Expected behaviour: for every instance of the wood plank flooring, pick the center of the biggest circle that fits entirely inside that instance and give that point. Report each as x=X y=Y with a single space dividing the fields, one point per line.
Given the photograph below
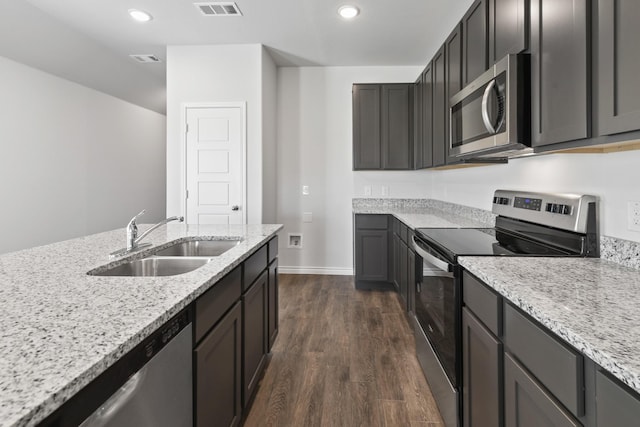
x=343 y=357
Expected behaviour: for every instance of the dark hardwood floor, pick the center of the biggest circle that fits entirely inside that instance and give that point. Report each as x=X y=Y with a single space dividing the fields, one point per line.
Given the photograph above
x=343 y=357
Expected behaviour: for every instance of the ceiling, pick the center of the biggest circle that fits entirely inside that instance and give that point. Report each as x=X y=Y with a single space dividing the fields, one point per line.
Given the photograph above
x=52 y=35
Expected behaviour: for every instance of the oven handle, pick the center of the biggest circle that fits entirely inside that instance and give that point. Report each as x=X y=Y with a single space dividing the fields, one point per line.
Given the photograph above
x=429 y=257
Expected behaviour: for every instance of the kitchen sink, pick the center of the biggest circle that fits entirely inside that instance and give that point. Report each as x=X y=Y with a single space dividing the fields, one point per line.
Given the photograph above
x=155 y=267
x=199 y=248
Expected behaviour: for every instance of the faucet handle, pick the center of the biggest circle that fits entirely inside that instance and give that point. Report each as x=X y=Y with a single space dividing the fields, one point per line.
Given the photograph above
x=142 y=212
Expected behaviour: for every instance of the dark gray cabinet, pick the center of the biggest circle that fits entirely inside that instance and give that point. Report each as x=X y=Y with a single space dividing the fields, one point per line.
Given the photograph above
x=475 y=46
x=616 y=406
x=482 y=374
x=527 y=404
x=404 y=273
x=217 y=373
x=508 y=27
x=367 y=153
x=372 y=260
x=560 y=107
x=426 y=116
x=453 y=78
x=439 y=134
x=382 y=126
x=417 y=124
x=396 y=245
x=618 y=66
x=273 y=318
x=411 y=280
x=254 y=336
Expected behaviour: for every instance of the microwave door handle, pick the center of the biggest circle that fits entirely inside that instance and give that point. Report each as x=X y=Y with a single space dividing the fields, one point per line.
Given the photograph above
x=442 y=265
x=485 y=107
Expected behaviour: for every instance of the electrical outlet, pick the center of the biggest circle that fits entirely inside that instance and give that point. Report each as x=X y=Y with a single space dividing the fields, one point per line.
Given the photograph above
x=307 y=217
x=633 y=216
x=384 y=190
x=367 y=190
x=305 y=190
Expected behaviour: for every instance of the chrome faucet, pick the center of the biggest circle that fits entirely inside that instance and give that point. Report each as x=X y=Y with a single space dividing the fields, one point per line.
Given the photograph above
x=133 y=240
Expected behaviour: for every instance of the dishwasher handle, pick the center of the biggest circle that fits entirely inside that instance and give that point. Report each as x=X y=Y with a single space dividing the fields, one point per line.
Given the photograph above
x=429 y=256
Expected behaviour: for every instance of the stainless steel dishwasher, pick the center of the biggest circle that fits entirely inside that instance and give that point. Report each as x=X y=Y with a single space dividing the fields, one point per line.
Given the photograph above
x=159 y=393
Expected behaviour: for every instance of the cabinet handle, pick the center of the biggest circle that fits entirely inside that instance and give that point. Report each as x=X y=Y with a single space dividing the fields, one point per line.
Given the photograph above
x=485 y=107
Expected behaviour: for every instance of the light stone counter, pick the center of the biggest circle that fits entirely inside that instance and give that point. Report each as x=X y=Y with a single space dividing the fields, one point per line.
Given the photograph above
x=590 y=303
x=60 y=328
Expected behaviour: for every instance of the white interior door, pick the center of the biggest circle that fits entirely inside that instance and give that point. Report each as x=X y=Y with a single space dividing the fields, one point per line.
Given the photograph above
x=215 y=165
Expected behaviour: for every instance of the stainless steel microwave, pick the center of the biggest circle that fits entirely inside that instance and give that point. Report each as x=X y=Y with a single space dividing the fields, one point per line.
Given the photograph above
x=491 y=116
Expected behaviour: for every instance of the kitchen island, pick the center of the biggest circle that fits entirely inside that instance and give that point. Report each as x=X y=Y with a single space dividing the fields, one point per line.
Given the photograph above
x=62 y=328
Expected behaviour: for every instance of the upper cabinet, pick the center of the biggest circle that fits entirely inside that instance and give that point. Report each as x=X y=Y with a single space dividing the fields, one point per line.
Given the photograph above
x=618 y=66
x=382 y=126
x=559 y=71
x=475 y=46
x=439 y=113
x=366 y=127
x=508 y=22
x=453 y=78
x=426 y=116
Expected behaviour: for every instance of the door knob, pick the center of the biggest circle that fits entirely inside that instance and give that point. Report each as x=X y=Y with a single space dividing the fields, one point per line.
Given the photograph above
x=235 y=208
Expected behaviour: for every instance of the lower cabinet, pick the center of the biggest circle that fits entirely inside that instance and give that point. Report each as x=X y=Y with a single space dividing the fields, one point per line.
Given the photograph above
x=615 y=405
x=482 y=374
x=218 y=360
x=372 y=261
x=254 y=336
x=527 y=403
x=273 y=303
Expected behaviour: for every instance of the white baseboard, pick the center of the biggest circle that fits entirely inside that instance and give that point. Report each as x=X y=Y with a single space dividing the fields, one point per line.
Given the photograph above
x=326 y=271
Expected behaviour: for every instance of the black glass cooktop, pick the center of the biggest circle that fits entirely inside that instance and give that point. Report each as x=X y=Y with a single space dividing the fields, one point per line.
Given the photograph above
x=455 y=242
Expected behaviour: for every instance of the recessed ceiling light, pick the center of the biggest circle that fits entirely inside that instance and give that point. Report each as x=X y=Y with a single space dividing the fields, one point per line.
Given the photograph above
x=348 y=12
x=140 y=15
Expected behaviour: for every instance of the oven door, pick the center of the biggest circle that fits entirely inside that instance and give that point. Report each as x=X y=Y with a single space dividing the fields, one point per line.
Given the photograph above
x=436 y=305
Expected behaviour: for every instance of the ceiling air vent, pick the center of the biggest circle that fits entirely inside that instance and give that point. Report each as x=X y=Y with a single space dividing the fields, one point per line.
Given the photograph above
x=218 y=9
x=146 y=59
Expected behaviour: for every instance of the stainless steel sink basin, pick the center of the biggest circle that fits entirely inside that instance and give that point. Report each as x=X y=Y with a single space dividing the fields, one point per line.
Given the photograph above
x=197 y=248
x=155 y=267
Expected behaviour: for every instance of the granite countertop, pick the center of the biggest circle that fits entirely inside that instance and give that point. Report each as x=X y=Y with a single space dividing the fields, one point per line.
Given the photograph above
x=60 y=328
x=424 y=217
x=590 y=303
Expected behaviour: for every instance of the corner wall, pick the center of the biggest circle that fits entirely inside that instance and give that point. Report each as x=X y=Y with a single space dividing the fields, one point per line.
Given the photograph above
x=315 y=149
x=74 y=161
x=220 y=73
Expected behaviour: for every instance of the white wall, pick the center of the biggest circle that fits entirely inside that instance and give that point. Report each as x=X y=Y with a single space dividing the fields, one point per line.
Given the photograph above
x=220 y=73
x=314 y=149
x=73 y=161
x=613 y=177
x=269 y=143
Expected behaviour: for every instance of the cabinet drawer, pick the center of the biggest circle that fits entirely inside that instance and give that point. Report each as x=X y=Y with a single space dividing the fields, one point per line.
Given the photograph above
x=555 y=365
x=212 y=305
x=483 y=302
x=371 y=222
x=404 y=232
x=273 y=249
x=254 y=266
x=615 y=405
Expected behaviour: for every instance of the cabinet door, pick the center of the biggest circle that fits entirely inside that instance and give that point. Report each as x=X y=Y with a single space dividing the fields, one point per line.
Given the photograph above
x=273 y=317
x=439 y=108
x=397 y=147
x=417 y=124
x=616 y=406
x=372 y=255
x=559 y=71
x=411 y=281
x=475 y=47
x=482 y=374
x=396 y=262
x=453 y=78
x=254 y=336
x=508 y=23
x=217 y=373
x=404 y=253
x=618 y=66
x=427 y=116
x=366 y=127
x=527 y=404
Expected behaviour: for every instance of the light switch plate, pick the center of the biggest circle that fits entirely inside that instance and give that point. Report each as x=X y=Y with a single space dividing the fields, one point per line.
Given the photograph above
x=305 y=190
x=307 y=217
